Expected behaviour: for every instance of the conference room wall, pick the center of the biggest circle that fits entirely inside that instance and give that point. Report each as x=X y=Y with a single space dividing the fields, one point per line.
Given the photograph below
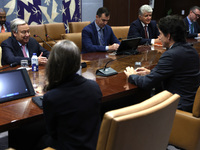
x=89 y=8
x=127 y=10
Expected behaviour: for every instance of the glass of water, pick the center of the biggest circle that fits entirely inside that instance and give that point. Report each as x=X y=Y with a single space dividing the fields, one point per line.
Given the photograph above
x=24 y=63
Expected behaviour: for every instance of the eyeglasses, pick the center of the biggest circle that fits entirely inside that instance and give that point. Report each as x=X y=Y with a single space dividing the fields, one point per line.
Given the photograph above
x=196 y=14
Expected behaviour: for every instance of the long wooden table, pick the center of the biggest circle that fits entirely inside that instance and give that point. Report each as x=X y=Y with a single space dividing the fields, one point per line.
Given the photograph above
x=19 y=112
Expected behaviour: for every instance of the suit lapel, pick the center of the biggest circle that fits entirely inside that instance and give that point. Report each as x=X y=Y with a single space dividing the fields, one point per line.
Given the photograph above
x=16 y=47
x=95 y=33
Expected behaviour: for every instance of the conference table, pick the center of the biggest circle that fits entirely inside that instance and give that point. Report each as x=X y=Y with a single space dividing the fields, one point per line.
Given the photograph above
x=17 y=113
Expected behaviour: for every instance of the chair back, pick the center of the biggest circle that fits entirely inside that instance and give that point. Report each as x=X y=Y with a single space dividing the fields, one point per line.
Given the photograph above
x=38 y=30
x=196 y=105
x=121 y=32
x=54 y=30
x=4 y=36
x=75 y=27
x=75 y=37
x=186 y=127
x=144 y=126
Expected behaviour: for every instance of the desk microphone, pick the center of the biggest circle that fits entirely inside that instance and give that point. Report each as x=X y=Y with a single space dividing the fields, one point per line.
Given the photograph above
x=11 y=65
x=108 y=71
x=42 y=40
x=51 y=38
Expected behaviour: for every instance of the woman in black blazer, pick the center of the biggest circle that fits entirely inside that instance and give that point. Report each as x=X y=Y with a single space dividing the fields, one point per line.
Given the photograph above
x=72 y=103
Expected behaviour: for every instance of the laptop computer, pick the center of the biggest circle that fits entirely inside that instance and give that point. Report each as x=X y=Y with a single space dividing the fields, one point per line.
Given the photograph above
x=15 y=84
x=128 y=46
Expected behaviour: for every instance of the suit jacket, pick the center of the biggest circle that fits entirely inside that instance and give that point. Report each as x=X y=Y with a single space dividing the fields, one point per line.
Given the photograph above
x=90 y=41
x=11 y=51
x=178 y=70
x=137 y=30
x=71 y=112
x=196 y=29
x=7 y=24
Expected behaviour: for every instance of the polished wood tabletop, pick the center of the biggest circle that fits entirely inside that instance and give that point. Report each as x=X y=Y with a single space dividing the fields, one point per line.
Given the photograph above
x=18 y=112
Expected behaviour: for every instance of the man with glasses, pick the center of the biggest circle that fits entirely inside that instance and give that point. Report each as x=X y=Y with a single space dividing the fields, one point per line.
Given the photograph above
x=193 y=28
x=98 y=36
x=21 y=46
x=144 y=27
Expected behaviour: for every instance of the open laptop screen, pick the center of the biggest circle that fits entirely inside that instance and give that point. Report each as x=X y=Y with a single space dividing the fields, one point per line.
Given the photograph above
x=15 y=84
x=128 y=46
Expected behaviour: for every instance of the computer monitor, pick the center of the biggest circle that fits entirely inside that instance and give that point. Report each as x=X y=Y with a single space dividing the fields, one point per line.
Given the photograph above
x=15 y=84
x=128 y=46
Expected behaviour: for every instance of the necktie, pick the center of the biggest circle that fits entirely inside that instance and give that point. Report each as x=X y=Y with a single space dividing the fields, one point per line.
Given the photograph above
x=101 y=39
x=24 y=51
x=145 y=30
x=192 y=28
x=2 y=29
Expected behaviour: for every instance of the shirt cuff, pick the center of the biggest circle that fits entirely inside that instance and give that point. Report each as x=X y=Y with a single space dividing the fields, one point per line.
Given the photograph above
x=152 y=41
x=107 y=48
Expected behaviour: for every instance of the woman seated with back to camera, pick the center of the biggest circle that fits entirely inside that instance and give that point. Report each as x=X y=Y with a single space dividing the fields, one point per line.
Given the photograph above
x=72 y=103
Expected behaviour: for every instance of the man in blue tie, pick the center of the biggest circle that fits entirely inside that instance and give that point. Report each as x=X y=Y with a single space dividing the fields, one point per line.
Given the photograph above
x=98 y=36
x=193 y=28
x=4 y=25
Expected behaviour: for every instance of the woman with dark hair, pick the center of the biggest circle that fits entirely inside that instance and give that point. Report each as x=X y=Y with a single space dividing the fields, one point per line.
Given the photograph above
x=177 y=69
x=71 y=104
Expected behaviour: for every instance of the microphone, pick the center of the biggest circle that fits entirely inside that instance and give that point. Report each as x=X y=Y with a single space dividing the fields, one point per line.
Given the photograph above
x=50 y=38
x=11 y=65
x=108 y=71
x=42 y=40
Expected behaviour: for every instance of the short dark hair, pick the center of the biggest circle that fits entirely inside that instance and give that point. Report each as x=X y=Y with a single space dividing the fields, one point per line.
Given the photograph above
x=63 y=62
x=175 y=26
x=103 y=10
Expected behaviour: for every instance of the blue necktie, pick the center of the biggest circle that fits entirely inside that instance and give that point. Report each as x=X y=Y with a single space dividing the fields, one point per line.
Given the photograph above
x=101 y=38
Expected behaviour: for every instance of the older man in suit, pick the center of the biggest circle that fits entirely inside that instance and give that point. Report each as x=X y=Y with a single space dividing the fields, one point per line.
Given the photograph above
x=21 y=46
x=98 y=36
x=193 y=28
x=144 y=27
x=4 y=25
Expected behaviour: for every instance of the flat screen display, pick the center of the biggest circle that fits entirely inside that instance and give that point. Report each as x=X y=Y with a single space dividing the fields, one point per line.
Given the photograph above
x=15 y=84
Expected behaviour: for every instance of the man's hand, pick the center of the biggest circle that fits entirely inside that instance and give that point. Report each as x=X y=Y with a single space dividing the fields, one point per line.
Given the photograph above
x=129 y=71
x=113 y=47
x=142 y=71
x=42 y=60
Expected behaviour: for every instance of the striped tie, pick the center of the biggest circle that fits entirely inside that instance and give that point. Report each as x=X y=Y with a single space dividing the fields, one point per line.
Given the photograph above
x=145 y=30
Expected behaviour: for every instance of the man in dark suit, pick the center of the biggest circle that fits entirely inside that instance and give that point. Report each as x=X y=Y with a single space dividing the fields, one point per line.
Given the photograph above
x=21 y=46
x=98 y=36
x=177 y=69
x=144 y=27
x=4 y=25
x=193 y=28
